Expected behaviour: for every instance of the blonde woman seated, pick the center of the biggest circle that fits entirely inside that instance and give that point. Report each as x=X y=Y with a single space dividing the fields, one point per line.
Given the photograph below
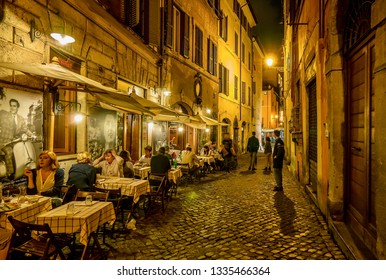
x=111 y=164
x=48 y=178
x=82 y=174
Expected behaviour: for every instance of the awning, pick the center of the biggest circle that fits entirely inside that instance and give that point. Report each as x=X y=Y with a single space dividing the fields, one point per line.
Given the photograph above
x=111 y=97
x=154 y=107
x=209 y=121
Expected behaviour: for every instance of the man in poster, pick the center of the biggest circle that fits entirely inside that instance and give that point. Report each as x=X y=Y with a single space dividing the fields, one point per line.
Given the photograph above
x=12 y=126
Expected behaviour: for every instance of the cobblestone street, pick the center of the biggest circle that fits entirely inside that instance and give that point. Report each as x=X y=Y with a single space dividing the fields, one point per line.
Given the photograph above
x=234 y=216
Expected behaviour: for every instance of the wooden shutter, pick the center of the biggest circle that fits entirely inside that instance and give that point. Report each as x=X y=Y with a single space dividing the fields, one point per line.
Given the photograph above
x=169 y=23
x=153 y=22
x=185 y=28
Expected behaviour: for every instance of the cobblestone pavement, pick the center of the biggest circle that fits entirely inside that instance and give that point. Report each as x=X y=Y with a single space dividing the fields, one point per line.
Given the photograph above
x=234 y=216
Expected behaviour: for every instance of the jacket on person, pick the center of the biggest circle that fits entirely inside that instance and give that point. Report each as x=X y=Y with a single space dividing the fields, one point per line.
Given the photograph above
x=82 y=175
x=253 y=144
x=159 y=164
x=55 y=190
x=278 y=153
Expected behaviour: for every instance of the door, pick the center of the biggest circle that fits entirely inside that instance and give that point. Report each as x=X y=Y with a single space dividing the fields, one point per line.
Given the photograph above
x=360 y=210
x=313 y=135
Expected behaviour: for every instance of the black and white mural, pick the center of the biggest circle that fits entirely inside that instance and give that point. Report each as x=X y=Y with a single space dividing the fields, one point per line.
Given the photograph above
x=21 y=131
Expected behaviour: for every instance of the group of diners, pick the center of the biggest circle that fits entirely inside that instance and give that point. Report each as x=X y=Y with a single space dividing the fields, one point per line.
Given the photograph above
x=48 y=178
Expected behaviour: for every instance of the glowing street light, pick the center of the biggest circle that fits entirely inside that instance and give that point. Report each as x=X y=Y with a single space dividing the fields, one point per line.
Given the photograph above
x=269 y=62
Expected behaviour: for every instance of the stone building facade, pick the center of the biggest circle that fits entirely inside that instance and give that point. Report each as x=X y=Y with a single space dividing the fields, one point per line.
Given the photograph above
x=334 y=90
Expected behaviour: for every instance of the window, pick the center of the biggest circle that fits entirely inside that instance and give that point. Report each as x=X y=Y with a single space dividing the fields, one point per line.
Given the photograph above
x=243 y=89
x=249 y=61
x=64 y=127
x=243 y=52
x=169 y=23
x=177 y=31
x=249 y=96
x=236 y=44
x=185 y=30
x=212 y=58
x=198 y=46
x=224 y=27
x=223 y=80
x=236 y=89
x=181 y=33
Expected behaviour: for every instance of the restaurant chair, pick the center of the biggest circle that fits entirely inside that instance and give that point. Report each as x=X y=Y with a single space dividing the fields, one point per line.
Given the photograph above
x=158 y=190
x=186 y=173
x=67 y=193
x=96 y=196
x=34 y=240
x=115 y=196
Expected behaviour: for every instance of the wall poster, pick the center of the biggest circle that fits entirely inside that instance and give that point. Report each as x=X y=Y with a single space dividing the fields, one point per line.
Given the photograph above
x=105 y=131
x=21 y=131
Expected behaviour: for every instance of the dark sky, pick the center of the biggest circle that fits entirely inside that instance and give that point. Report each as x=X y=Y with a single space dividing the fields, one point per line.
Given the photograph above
x=269 y=29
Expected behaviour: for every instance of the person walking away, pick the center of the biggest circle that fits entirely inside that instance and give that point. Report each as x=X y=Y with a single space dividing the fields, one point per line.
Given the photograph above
x=278 y=157
x=268 y=154
x=253 y=147
x=226 y=151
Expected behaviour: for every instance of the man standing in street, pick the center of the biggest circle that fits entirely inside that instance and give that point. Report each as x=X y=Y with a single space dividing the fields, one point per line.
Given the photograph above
x=278 y=157
x=253 y=147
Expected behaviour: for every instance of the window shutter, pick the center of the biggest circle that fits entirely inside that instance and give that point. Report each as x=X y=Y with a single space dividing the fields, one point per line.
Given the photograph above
x=153 y=23
x=132 y=12
x=169 y=23
x=214 y=60
x=185 y=36
x=220 y=78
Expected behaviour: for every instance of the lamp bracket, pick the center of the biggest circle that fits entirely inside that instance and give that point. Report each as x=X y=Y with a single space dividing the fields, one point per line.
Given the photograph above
x=61 y=105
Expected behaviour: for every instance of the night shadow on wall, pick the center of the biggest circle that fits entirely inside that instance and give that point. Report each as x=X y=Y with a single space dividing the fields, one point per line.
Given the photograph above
x=286 y=210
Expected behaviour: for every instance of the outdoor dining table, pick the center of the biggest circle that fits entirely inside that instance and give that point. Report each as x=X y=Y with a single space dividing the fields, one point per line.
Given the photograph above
x=129 y=186
x=26 y=211
x=207 y=159
x=85 y=220
x=5 y=240
x=141 y=171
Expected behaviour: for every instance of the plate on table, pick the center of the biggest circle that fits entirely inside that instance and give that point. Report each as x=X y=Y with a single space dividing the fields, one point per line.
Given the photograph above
x=9 y=206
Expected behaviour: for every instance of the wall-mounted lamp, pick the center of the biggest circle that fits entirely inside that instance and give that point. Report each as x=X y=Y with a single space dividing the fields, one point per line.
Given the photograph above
x=167 y=92
x=62 y=38
x=180 y=129
x=61 y=105
x=58 y=30
x=207 y=130
x=208 y=111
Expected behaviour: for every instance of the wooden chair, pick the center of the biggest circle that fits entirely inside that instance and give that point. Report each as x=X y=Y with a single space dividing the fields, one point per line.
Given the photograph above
x=67 y=193
x=96 y=196
x=159 y=190
x=42 y=245
x=115 y=196
x=186 y=174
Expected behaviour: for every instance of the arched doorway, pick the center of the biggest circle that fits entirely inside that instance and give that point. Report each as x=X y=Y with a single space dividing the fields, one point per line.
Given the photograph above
x=360 y=57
